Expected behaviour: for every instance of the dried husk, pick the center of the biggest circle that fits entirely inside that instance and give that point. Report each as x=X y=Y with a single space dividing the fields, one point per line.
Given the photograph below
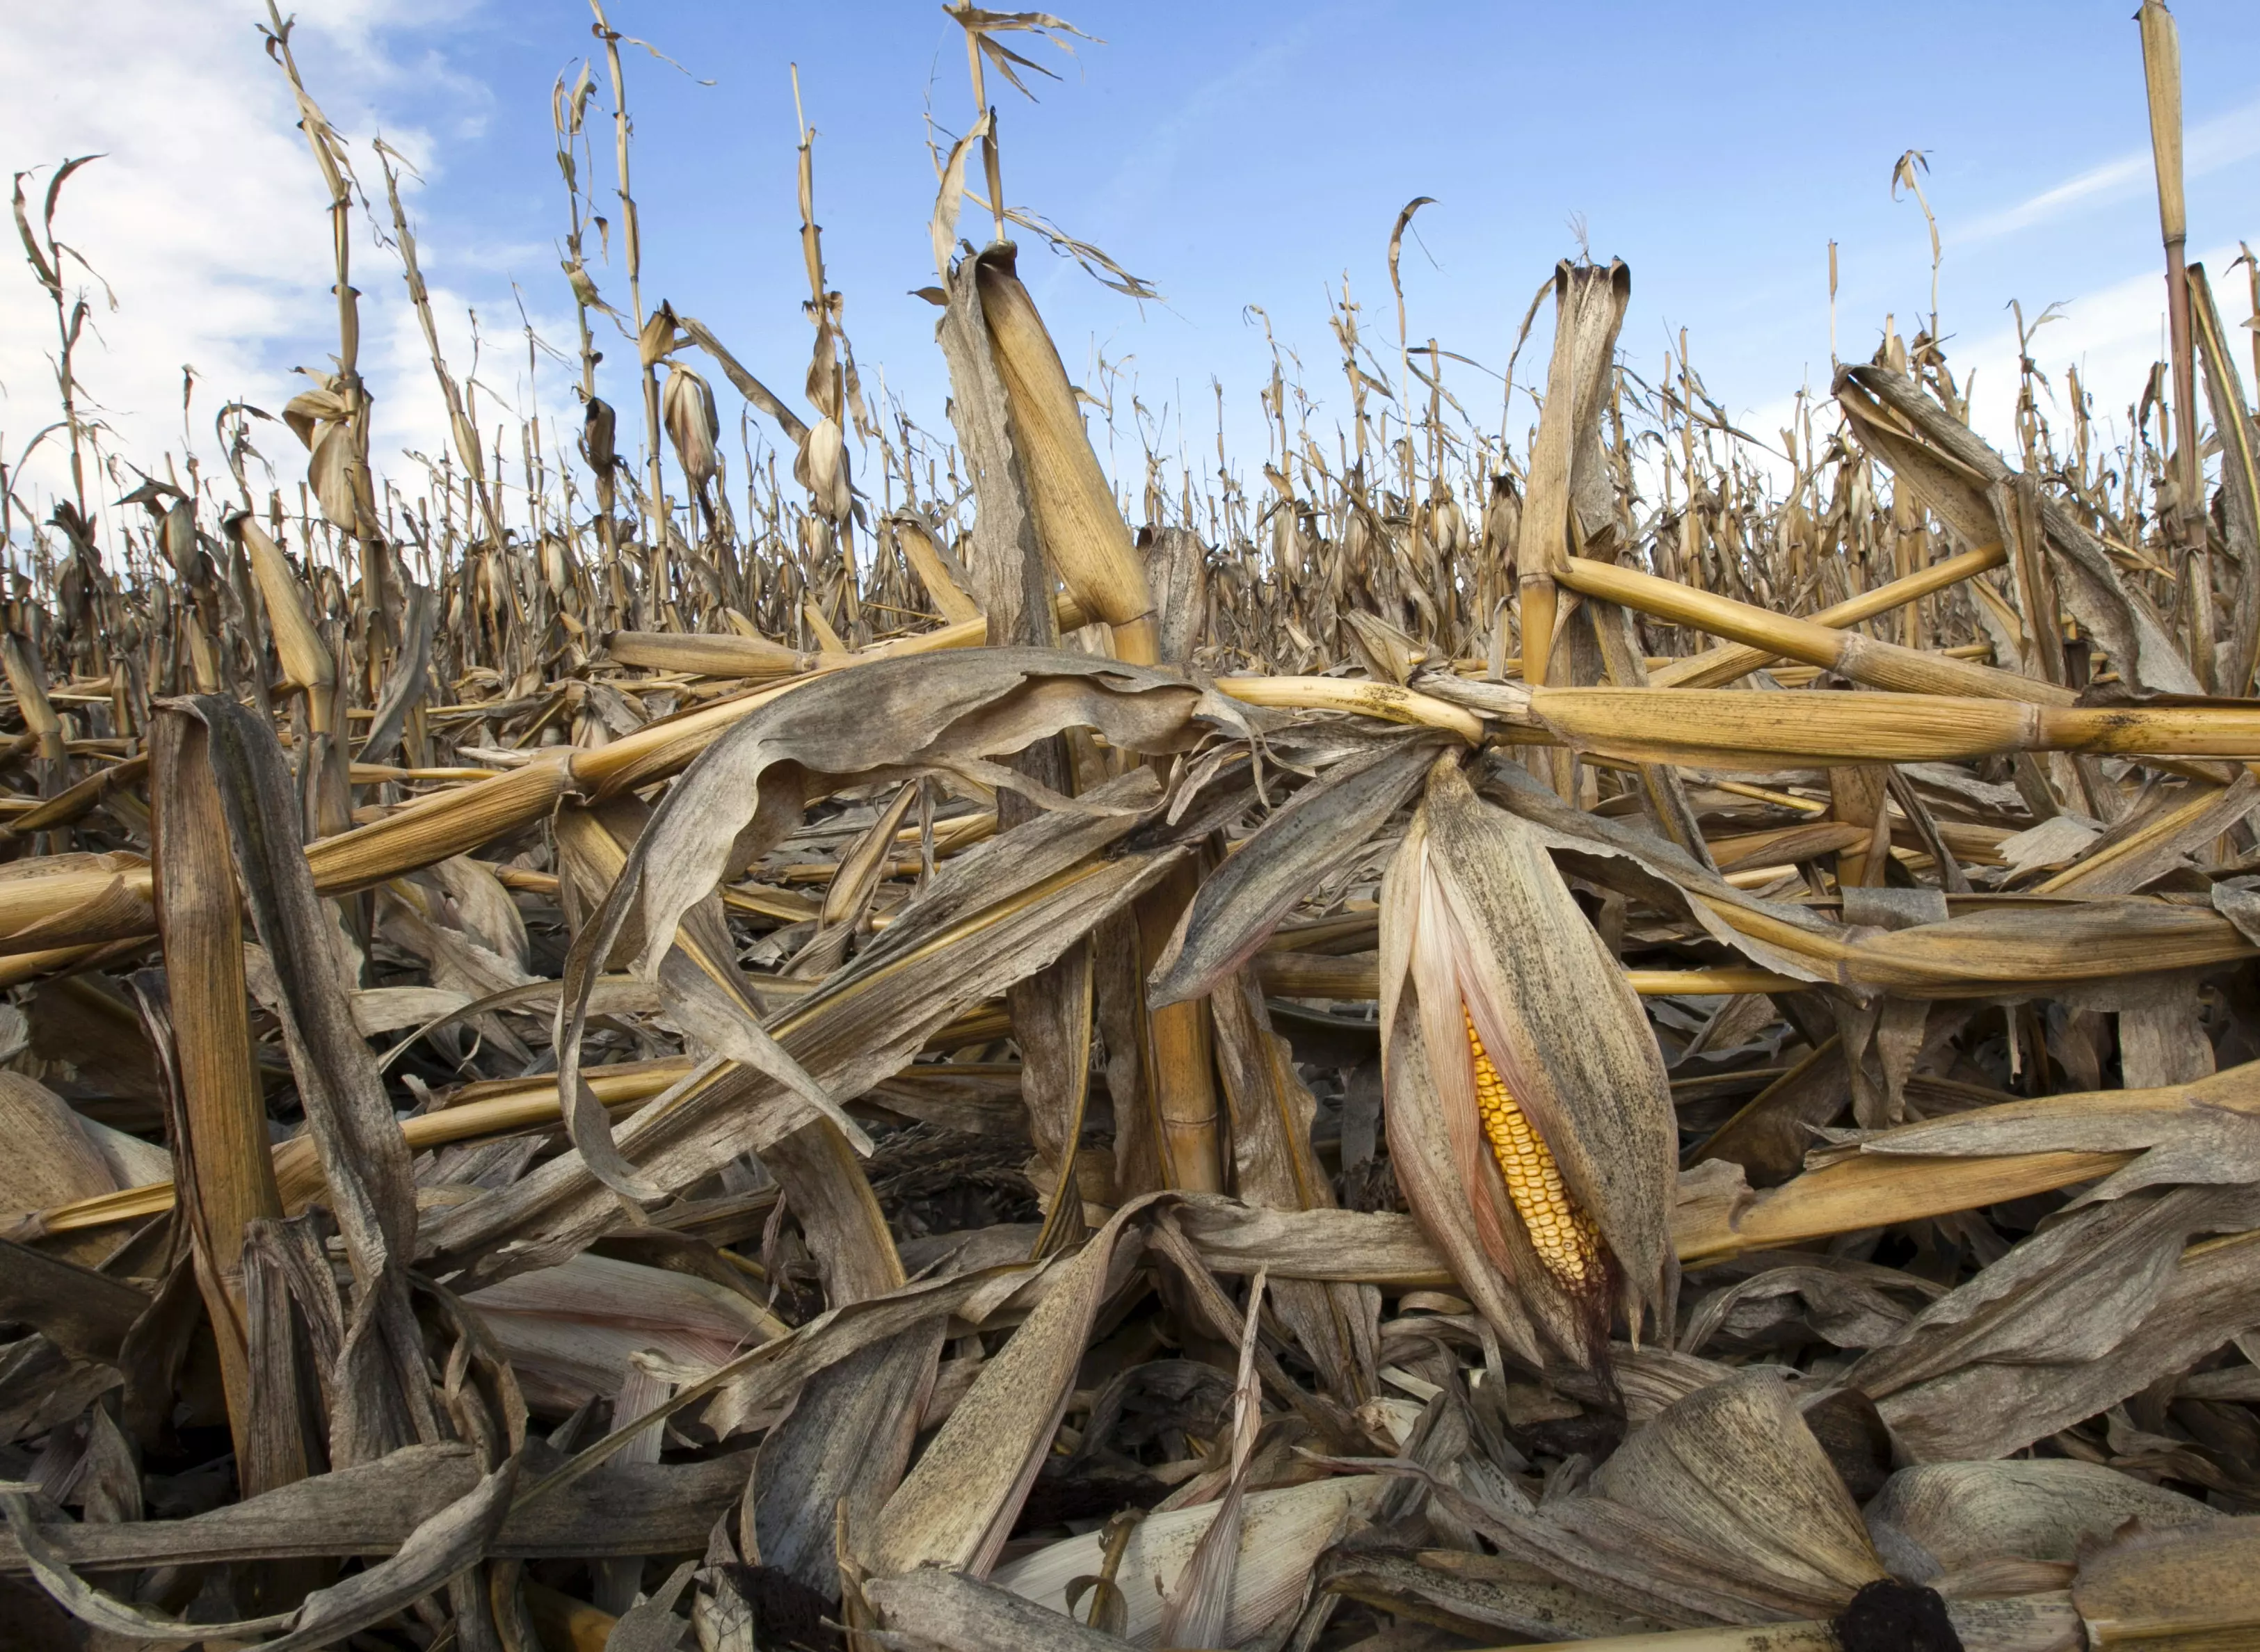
x=1476 y=923
x=2192 y=1586
x=1085 y=539
x=1937 y=1518
x=1281 y=1534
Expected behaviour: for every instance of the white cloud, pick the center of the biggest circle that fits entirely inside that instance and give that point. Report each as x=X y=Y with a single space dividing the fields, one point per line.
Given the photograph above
x=206 y=217
x=2206 y=148
x=2113 y=334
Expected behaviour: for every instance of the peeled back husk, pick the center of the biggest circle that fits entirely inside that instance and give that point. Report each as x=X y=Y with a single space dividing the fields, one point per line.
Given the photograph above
x=1477 y=925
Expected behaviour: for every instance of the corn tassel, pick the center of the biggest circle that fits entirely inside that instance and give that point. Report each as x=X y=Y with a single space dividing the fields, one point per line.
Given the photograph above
x=1565 y=1237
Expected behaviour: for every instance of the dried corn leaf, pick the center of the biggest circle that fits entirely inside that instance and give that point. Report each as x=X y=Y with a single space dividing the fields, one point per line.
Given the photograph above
x=1315 y=831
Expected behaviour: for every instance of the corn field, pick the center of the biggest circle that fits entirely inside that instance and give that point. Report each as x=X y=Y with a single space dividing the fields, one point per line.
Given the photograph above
x=623 y=1049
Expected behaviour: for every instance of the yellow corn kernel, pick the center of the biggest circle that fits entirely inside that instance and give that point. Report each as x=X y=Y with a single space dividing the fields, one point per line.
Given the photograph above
x=1565 y=1237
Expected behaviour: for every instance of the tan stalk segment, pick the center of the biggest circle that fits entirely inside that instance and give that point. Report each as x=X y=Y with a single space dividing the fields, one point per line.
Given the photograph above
x=1589 y=305
x=1180 y=1061
x=2161 y=77
x=1706 y=726
x=707 y=655
x=1884 y=665
x=18 y=968
x=1858 y=802
x=38 y=898
x=432 y=829
x=229 y=1174
x=1937 y=1166
x=1357 y=975
x=1718 y=668
x=1068 y=614
x=1366 y=699
x=1088 y=546
x=1871 y=1191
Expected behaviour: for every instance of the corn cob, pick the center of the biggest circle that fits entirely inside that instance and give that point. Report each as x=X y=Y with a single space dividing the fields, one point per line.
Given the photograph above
x=1565 y=1237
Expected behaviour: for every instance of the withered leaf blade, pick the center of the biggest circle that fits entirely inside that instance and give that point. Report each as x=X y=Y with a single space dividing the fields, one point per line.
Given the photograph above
x=404 y=688
x=948 y=1609
x=846 y=1441
x=1317 y=829
x=956 y=1506
x=437 y=1549
x=82 y=1311
x=2193 y=1583
x=1500 y=1595
x=1735 y=1471
x=370 y=1510
x=1283 y=1532
x=1936 y=1517
x=386 y=1395
x=2087 y=1305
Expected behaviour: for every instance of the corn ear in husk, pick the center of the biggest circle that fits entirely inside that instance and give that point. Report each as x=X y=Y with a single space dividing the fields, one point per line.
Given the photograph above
x=1529 y=1114
x=1083 y=535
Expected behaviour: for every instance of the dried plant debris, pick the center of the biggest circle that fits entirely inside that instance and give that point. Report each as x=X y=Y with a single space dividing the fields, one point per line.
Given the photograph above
x=1604 y=1043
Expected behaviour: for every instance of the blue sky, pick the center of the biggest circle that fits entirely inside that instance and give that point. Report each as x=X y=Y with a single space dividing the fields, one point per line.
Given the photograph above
x=1232 y=154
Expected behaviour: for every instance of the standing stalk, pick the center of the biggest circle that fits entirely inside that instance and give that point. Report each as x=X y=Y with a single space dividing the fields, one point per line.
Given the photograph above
x=351 y=509
x=329 y=156
x=632 y=244
x=568 y=113
x=2161 y=73
x=466 y=438
x=70 y=313
x=1545 y=543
